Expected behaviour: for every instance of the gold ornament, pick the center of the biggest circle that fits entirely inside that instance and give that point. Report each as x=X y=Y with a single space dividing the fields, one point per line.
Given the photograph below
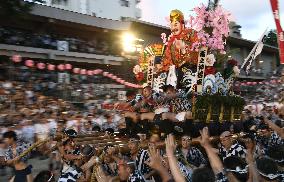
x=209 y=114
x=232 y=114
x=176 y=15
x=221 y=113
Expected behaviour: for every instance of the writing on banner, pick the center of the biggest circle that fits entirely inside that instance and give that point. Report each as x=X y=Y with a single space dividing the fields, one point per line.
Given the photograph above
x=201 y=68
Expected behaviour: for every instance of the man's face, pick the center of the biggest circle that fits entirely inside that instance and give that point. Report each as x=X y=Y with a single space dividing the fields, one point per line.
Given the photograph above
x=147 y=92
x=264 y=133
x=133 y=146
x=8 y=141
x=185 y=142
x=70 y=145
x=270 y=111
x=170 y=93
x=130 y=97
x=226 y=141
x=154 y=139
x=123 y=172
x=176 y=27
x=107 y=159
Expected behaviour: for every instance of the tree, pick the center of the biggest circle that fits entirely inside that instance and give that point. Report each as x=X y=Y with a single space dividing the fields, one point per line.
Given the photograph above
x=212 y=4
x=271 y=38
x=15 y=8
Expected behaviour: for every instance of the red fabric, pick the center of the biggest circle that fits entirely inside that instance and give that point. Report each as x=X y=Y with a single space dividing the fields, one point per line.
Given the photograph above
x=187 y=35
x=209 y=70
x=280 y=34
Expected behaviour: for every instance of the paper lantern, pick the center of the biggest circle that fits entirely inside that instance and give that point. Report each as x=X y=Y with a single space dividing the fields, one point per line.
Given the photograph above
x=114 y=77
x=16 y=58
x=76 y=70
x=97 y=71
x=254 y=83
x=105 y=73
x=29 y=63
x=40 y=66
x=90 y=72
x=51 y=67
x=61 y=67
x=83 y=71
x=273 y=81
x=68 y=66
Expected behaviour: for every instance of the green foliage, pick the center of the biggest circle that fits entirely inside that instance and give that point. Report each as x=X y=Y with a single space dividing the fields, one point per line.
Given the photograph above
x=15 y=8
x=271 y=38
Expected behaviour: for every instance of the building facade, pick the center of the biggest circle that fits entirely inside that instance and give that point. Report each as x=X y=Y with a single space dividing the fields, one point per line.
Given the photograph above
x=110 y=9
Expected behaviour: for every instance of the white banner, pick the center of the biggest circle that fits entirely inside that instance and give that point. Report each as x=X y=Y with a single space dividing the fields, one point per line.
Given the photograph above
x=62 y=45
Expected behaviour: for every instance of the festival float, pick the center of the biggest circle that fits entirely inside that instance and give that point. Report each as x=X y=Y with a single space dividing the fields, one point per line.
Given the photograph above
x=193 y=59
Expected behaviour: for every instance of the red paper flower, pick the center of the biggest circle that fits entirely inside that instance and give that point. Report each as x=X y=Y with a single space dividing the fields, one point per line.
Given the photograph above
x=139 y=77
x=232 y=62
x=209 y=70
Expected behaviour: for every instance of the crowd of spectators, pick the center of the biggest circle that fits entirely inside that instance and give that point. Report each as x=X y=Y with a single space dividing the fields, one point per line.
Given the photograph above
x=259 y=96
x=77 y=88
x=20 y=37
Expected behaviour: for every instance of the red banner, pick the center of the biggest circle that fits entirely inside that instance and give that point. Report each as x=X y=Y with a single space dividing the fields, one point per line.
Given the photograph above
x=280 y=34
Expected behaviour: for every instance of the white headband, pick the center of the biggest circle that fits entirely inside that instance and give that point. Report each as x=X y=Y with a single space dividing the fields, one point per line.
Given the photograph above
x=270 y=176
x=238 y=170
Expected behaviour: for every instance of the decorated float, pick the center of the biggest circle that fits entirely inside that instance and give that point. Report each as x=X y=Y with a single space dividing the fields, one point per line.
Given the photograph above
x=193 y=59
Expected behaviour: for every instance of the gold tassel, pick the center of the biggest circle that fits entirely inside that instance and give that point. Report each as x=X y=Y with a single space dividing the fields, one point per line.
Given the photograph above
x=232 y=114
x=193 y=108
x=208 y=118
x=93 y=177
x=221 y=113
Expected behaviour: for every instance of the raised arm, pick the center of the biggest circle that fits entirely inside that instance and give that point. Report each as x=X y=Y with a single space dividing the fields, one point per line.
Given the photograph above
x=215 y=162
x=170 y=148
x=155 y=162
x=277 y=129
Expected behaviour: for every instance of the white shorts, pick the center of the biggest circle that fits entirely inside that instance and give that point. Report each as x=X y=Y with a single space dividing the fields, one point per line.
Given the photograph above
x=181 y=116
x=162 y=110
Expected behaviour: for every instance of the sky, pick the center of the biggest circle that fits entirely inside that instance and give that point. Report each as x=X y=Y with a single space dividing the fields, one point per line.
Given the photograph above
x=253 y=15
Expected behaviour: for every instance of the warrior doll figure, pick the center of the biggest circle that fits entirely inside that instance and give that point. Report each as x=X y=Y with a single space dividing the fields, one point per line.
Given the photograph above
x=179 y=46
